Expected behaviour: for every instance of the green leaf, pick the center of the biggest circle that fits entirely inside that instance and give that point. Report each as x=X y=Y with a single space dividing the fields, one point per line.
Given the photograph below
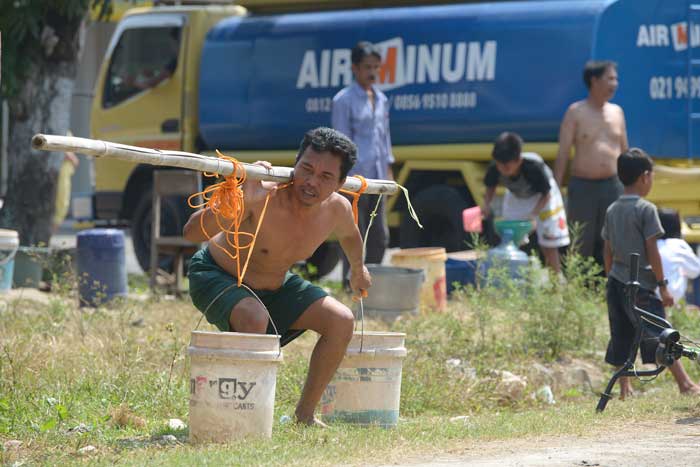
x=62 y=412
x=48 y=425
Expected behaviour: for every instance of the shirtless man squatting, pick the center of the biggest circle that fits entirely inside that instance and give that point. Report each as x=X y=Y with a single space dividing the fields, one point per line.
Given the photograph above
x=298 y=219
x=596 y=129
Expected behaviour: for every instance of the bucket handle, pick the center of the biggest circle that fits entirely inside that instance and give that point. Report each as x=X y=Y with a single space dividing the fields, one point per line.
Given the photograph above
x=8 y=258
x=364 y=254
x=274 y=326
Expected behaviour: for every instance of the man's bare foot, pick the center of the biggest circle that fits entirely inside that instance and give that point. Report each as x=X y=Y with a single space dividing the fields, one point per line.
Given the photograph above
x=691 y=390
x=625 y=388
x=313 y=421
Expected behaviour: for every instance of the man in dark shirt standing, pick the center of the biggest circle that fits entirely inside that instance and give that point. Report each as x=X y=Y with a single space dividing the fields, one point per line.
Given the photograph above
x=531 y=193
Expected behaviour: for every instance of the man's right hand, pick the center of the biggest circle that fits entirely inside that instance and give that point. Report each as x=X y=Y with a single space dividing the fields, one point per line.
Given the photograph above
x=257 y=190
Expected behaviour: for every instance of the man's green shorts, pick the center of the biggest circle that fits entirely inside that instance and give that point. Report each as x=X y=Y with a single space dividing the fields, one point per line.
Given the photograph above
x=214 y=292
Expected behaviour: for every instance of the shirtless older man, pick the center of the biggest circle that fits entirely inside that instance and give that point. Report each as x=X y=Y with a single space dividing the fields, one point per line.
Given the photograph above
x=298 y=219
x=596 y=129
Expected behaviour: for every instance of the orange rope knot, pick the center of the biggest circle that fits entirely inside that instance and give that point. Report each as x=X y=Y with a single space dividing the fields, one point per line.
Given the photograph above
x=225 y=200
x=356 y=196
x=363 y=294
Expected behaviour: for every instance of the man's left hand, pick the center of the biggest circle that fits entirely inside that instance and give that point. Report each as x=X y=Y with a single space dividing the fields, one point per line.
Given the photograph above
x=360 y=281
x=666 y=297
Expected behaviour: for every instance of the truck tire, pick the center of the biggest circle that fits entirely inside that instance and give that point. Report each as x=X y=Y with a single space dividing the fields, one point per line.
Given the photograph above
x=439 y=209
x=174 y=215
x=324 y=260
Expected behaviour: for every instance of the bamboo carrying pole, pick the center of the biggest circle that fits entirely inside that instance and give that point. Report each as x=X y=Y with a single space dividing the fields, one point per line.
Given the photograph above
x=187 y=160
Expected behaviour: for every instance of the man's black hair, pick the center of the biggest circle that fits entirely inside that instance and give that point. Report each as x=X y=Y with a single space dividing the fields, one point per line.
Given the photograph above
x=671 y=222
x=632 y=164
x=364 y=49
x=324 y=139
x=596 y=68
x=507 y=147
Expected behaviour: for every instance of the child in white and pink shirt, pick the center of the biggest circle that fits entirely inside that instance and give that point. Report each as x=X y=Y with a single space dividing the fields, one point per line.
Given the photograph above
x=679 y=261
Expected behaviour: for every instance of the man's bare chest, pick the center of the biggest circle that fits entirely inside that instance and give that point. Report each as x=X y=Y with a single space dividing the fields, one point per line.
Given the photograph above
x=598 y=128
x=286 y=236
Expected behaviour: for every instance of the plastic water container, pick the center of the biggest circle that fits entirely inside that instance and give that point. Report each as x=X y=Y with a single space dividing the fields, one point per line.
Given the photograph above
x=9 y=242
x=693 y=294
x=507 y=255
x=29 y=266
x=460 y=268
x=101 y=266
x=366 y=388
x=432 y=261
x=233 y=377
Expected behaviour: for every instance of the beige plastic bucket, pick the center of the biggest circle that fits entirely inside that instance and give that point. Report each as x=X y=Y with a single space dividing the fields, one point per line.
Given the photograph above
x=366 y=388
x=432 y=261
x=232 y=385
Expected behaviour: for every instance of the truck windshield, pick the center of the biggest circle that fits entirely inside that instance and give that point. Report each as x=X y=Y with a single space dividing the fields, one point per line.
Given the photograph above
x=142 y=59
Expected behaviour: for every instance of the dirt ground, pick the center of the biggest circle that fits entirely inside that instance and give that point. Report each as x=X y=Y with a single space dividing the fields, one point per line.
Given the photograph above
x=641 y=445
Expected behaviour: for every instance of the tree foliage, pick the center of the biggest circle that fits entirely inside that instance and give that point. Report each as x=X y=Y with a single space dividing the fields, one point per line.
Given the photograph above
x=42 y=41
x=33 y=30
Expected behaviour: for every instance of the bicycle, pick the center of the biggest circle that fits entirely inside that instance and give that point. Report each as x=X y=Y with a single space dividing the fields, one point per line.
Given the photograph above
x=669 y=349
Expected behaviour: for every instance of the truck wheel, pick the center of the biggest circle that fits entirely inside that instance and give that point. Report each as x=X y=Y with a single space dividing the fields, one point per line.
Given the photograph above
x=324 y=260
x=439 y=209
x=174 y=214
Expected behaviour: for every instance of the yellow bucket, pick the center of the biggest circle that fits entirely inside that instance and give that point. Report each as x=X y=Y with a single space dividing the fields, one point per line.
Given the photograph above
x=432 y=260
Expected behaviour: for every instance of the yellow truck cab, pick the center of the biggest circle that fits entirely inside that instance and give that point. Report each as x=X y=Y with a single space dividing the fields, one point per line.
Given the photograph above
x=146 y=95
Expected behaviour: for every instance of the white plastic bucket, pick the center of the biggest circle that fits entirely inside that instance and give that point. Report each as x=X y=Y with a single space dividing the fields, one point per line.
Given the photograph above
x=232 y=385
x=366 y=388
x=9 y=243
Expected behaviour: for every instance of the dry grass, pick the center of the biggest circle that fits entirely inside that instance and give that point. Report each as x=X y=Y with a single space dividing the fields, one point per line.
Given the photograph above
x=122 y=371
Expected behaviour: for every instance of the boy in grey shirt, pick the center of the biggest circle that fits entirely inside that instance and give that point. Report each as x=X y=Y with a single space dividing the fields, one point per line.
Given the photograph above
x=632 y=225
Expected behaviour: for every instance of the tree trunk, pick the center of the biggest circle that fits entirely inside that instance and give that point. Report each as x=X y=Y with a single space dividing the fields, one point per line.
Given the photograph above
x=31 y=192
x=42 y=106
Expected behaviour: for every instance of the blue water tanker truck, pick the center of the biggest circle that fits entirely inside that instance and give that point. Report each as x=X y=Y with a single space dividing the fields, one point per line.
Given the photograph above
x=456 y=75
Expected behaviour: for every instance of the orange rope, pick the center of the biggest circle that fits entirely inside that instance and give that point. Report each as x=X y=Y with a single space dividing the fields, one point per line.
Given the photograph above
x=225 y=200
x=356 y=196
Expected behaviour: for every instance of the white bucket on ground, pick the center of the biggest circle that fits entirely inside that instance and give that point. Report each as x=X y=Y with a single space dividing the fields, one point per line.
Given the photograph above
x=232 y=385
x=9 y=243
x=366 y=388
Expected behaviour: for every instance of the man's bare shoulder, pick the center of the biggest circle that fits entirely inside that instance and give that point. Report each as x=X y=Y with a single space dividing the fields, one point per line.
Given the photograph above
x=338 y=203
x=576 y=108
x=612 y=107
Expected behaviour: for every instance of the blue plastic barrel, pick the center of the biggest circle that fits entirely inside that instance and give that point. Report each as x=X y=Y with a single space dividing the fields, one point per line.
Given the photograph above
x=460 y=271
x=101 y=266
x=9 y=242
x=693 y=294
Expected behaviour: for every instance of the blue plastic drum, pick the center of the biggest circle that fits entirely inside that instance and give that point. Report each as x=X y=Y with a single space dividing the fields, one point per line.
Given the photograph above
x=459 y=271
x=101 y=266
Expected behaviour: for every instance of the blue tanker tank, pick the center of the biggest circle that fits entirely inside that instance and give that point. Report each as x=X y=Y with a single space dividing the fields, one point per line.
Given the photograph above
x=454 y=73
